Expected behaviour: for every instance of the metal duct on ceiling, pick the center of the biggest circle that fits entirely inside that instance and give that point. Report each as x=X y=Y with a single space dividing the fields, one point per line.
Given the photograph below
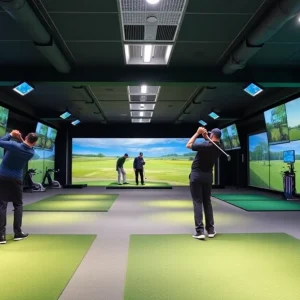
x=23 y=14
x=279 y=15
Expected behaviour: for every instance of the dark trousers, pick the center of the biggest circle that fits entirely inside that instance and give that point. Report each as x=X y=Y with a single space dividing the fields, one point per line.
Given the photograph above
x=200 y=186
x=11 y=191
x=18 y=214
x=137 y=172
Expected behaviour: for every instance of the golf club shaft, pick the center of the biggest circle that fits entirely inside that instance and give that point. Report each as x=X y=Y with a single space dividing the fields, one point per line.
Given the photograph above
x=217 y=146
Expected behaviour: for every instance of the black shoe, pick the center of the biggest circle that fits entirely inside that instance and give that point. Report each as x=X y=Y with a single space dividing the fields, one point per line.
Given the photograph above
x=137 y=184
x=143 y=183
x=2 y=239
x=211 y=234
x=20 y=236
x=125 y=183
x=199 y=236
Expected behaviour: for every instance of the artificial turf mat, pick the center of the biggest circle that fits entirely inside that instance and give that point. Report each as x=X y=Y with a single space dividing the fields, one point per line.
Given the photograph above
x=258 y=202
x=229 y=267
x=40 y=266
x=132 y=185
x=73 y=202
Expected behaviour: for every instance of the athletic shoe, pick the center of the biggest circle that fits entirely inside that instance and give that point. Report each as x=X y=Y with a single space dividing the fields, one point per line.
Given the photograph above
x=119 y=183
x=211 y=234
x=199 y=236
x=20 y=236
x=125 y=183
x=2 y=239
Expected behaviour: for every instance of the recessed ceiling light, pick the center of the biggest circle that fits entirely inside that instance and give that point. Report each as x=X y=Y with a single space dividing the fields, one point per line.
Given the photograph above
x=151 y=19
x=142 y=106
x=213 y=115
x=168 y=53
x=152 y=1
x=65 y=115
x=75 y=122
x=144 y=89
x=253 y=90
x=203 y=123
x=23 y=88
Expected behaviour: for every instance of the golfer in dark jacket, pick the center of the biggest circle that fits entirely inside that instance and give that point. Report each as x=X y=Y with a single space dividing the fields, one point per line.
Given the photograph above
x=201 y=179
x=16 y=157
x=138 y=166
x=120 y=169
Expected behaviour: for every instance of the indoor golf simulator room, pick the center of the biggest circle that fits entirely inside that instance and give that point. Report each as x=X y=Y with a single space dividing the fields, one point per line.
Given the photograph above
x=149 y=150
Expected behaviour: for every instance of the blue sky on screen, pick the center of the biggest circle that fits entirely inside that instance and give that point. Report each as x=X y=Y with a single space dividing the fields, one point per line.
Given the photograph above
x=268 y=116
x=254 y=140
x=118 y=147
x=292 y=112
x=287 y=146
x=45 y=153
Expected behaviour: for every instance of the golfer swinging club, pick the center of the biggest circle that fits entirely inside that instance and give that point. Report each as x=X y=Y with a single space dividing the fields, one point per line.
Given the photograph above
x=120 y=169
x=11 y=169
x=201 y=179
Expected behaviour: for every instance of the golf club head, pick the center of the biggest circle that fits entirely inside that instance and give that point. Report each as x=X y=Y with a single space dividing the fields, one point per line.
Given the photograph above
x=229 y=157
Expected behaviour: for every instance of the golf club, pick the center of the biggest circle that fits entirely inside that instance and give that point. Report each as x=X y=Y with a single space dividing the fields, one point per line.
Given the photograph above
x=228 y=156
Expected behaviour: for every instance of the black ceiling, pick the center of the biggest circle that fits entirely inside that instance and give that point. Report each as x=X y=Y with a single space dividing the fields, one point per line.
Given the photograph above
x=89 y=34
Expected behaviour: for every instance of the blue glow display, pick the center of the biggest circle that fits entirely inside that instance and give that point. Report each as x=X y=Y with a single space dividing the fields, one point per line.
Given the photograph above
x=23 y=89
x=65 y=115
x=253 y=90
x=289 y=156
x=75 y=122
x=203 y=123
x=214 y=115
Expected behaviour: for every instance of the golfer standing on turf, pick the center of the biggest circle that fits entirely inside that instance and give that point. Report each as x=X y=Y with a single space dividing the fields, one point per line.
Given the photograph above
x=201 y=179
x=11 y=173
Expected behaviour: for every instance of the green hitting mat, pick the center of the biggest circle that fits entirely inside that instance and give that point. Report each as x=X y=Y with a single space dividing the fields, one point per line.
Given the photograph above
x=178 y=267
x=132 y=185
x=40 y=266
x=74 y=202
x=258 y=202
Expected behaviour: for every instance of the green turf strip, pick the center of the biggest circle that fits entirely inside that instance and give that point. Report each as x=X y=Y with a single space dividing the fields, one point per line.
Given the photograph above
x=258 y=202
x=178 y=267
x=243 y=197
x=74 y=202
x=268 y=205
x=40 y=266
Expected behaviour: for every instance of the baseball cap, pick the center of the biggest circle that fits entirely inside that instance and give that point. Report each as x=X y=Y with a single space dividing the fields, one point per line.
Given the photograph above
x=125 y=154
x=216 y=132
x=141 y=153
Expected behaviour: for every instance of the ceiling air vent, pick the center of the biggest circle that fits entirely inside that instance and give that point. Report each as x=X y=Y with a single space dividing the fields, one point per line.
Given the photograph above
x=166 y=33
x=134 y=32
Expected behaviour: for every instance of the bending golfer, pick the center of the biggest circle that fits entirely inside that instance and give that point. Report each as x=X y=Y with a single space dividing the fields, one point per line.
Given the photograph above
x=16 y=157
x=120 y=169
x=201 y=179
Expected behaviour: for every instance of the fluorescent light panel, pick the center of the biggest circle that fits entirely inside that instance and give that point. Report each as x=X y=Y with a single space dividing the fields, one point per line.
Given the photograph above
x=142 y=114
x=76 y=122
x=168 y=53
x=23 y=89
x=148 y=53
x=65 y=115
x=203 y=123
x=144 y=89
x=141 y=106
x=253 y=89
x=127 y=53
x=213 y=115
x=140 y=120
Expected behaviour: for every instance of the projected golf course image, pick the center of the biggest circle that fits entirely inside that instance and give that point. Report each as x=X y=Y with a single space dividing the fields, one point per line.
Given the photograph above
x=292 y=112
x=266 y=162
x=167 y=160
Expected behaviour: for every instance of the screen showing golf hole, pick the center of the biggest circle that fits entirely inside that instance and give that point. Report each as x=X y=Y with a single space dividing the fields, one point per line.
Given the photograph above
x=167 y=160
x=226 y=139
x=266 y=162
x=293 y=120
x=277 y=125
x=3 y=120
x=234 y=137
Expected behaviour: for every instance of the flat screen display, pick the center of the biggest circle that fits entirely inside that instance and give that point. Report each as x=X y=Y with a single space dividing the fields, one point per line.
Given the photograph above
x=226 y=139
x=277 y=125
x=50 y=138
x=293 y=120
x=289 y=156
x=3 y=120
x=41 y=131
x=234 y=137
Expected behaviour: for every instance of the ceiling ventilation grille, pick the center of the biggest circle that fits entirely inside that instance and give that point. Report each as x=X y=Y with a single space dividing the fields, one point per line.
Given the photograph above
x=134 y=32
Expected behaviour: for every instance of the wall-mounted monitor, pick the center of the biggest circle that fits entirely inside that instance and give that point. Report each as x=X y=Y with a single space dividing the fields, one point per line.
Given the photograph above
x=41 y=131
x=289 y=156
x=226 y=139
x=3 y=120
x=293 y=120
x=277 y=126
x=50 y=139
x=234 y=137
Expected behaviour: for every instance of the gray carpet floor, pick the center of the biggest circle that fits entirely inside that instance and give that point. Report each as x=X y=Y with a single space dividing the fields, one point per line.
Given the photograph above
x=101 y=274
